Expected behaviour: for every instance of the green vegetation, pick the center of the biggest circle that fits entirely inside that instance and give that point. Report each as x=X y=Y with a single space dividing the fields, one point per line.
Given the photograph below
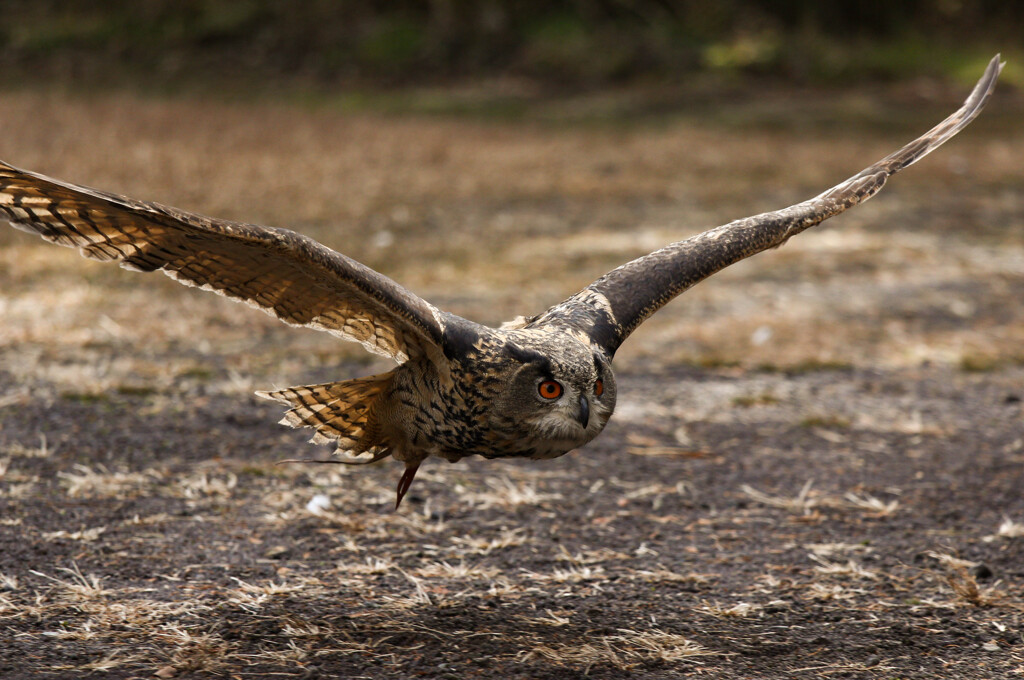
x=136 y=390
x=807 y=366
x=197 y=373
x=85 y=397
x=580 y=43
x=750 y=400
x=986 y=363
x=977 y=363
x=827 y=421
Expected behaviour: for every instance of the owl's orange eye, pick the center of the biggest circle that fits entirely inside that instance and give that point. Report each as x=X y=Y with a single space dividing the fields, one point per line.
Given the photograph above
x=598 y=388
x=550 y=389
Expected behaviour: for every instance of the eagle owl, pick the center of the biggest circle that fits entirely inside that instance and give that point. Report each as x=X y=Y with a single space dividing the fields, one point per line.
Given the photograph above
x=537 y=387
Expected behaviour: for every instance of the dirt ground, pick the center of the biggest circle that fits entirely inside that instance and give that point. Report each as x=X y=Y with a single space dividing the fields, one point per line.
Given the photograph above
x=815 y=468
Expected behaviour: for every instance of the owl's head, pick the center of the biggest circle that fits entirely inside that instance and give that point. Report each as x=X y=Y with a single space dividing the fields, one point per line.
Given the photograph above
x=560 y=393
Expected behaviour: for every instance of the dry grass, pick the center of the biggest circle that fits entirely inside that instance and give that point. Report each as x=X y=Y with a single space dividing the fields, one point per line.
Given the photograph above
x=1011 y=529
x=806 y=501
x=850 y=569
x=624 y=650
x=384 y=599
x=966 y=588
x=102 y=483
x=739 y=610
x=802 y=503
x=504 y=493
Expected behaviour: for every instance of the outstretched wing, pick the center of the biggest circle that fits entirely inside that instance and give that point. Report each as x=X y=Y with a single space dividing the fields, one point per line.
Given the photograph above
x=613 y=306
x=285 y=274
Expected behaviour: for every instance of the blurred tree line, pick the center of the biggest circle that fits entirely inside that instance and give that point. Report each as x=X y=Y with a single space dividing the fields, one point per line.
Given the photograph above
x=574 y=42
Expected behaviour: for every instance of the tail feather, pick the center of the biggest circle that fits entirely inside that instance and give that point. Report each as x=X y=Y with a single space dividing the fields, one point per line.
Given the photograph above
x=340 y=412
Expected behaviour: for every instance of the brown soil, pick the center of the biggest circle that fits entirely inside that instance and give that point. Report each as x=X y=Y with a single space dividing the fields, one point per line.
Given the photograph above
x=815 y=469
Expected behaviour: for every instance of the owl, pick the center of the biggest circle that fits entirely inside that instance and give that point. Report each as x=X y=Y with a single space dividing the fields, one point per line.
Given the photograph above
x=536 y=387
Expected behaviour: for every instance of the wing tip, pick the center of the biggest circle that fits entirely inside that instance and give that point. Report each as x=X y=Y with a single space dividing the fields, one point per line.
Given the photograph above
x=952 y=125
x=983 y=89
x=987 y=82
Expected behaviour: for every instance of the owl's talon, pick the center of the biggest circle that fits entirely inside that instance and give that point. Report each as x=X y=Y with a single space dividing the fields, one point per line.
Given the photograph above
x=406 y=481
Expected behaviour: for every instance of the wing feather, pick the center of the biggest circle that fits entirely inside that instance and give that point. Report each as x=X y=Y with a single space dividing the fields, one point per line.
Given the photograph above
x=285 y=274
x=614 y=305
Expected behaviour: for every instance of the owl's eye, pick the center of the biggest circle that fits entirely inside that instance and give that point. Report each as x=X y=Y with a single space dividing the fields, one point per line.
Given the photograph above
x=598 y=388
x=550 y=389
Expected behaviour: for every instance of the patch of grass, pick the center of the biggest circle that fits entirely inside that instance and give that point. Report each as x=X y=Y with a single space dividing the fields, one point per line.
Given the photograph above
x=503 y=492
x=712 y=361
x=749 y=400
x=620 y=651
x=197 y=373
x=979 y=363
x=86 y=397
x=827 y=421
x=806 y=366
x=86 y=482
x=963 y=582
x=136 y=390
x=743 y=52
x=802 y=503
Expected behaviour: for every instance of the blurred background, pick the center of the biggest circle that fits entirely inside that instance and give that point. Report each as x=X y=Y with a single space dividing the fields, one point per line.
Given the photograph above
x=559 y=44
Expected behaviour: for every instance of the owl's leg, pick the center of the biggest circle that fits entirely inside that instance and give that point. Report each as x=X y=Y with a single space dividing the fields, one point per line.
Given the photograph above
x=406 y=481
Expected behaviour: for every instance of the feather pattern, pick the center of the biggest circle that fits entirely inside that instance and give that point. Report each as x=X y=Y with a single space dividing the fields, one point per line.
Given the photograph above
x=340 y=412
x=285 y=274
x=633 y=292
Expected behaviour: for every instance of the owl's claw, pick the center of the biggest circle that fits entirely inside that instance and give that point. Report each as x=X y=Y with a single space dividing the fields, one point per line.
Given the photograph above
x=406 y=481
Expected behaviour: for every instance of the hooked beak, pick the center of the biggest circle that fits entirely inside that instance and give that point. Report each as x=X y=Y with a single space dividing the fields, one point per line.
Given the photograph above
x=584 y=415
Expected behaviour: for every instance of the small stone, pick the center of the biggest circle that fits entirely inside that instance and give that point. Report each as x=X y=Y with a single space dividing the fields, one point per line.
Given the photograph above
x=166 y=672
x=991 y=646
x=319 y=503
